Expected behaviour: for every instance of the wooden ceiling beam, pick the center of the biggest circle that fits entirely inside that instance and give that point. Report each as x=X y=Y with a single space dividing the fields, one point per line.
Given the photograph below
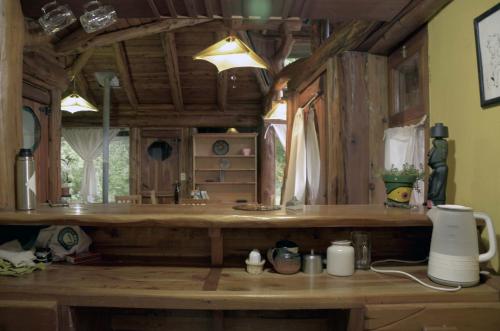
x=124 y=73
x=154 y=8
x=171 y=8
x=209 y=7
x=285 y=10
x=191 y=8
x=346 y=37
x=287 y=42
x=225 y=6
x=109 y=38
x=244 y=24
x=171 y=62
x=166 y=119
x=222 y=82
x=401 y=28
x=79 y=63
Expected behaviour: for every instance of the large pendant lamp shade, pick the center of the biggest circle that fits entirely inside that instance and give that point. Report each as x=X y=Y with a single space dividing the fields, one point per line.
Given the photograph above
x=74 y=103
x=231 y=53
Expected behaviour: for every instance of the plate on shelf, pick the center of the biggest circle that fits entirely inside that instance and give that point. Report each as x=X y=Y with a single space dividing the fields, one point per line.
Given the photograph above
x=224 y=164
x=257 y=207
x=220 y=147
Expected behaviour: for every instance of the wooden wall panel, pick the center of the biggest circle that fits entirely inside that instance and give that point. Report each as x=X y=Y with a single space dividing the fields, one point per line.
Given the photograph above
x=11 y=73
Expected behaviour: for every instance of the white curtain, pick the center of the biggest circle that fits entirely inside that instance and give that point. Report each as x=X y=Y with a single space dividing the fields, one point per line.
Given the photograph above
x=296 y=174
x=87 y=143
x=407 y=145
x=313 y=159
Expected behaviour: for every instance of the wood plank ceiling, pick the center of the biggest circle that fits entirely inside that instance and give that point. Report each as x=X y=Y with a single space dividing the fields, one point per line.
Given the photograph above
x=157 y=72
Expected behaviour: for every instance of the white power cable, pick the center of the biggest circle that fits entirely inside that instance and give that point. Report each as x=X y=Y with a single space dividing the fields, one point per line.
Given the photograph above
x=398 y=272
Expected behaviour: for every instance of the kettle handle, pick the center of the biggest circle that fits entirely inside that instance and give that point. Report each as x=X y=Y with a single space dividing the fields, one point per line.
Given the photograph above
x=270 y=256
x=491 y=237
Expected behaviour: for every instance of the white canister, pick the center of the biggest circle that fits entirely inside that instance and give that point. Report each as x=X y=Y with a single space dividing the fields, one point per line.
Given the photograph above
x=340 y=258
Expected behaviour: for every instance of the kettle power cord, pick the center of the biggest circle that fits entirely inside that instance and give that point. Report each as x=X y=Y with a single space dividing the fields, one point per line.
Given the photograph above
x=398 y=272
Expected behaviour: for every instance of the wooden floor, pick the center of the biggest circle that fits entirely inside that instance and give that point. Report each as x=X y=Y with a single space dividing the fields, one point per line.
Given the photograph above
x=225 y=288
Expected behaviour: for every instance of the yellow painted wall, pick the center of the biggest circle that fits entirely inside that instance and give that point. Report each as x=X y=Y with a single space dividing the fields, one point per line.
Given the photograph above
x=474 y=157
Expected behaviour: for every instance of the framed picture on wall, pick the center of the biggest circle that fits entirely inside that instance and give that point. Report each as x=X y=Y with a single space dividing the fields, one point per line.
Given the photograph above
x=487 y=31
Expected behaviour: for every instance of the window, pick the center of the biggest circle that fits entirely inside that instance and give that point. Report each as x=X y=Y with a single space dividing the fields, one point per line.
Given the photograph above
x=72 y=169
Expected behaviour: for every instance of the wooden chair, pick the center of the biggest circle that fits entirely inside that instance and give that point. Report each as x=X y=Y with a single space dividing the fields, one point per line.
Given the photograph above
x=135 y=199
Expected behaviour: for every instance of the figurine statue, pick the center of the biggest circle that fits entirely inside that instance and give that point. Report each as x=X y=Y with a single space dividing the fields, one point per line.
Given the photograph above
x=437 y=161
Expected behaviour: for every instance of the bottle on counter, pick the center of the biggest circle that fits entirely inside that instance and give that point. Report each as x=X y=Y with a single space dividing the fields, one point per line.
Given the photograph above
x=25 y=180
x=177 y=193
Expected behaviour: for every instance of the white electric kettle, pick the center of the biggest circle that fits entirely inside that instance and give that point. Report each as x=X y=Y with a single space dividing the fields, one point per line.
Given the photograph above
x=454 y=256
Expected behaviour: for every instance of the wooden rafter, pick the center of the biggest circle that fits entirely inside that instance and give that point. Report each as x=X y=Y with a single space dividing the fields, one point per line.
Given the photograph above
x=171 y=8
x=154 y=8
x=191 y=8
x=225 y=6
x=171 y=62
x=79 y=63
x=222 y=83
x=287 y=6
x=209 y=7
x=83 y=89
x=123 y=71
x=284 y=49
x=139 y=31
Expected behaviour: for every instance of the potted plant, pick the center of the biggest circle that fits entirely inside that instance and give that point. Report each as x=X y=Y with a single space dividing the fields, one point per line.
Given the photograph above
x=399 y=184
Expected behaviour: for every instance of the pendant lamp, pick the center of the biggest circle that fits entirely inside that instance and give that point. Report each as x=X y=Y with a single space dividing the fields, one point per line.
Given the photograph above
x=229 y=53
x=74 y=103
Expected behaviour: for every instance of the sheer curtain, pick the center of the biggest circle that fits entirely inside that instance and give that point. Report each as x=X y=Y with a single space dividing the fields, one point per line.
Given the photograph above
x=313 y=159
x=87 y=143
x=280 y=131
x=296 y=168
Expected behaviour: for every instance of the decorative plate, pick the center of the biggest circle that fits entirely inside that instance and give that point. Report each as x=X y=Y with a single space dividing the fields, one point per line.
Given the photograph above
x=224 y=164
x=220 y=147
x=257 y=207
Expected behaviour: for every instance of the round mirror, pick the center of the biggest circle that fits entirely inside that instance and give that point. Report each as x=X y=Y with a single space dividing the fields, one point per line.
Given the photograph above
x=160 y=150
x=31 y=129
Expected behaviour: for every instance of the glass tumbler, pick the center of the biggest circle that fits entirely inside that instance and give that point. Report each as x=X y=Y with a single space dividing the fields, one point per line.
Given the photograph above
x=362 y=249
x=55 y=17
x=97 y=16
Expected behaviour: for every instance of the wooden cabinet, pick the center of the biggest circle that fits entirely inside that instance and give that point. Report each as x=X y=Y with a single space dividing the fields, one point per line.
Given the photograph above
x=434 y=317
x=225 y=165
x=17 y=315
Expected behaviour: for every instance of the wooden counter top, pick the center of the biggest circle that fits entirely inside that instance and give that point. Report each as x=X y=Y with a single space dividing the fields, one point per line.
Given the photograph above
x=225 y=288
x=217 y=216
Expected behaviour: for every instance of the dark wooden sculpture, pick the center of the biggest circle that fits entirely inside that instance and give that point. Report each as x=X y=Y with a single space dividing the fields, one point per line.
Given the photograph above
x=437 y=161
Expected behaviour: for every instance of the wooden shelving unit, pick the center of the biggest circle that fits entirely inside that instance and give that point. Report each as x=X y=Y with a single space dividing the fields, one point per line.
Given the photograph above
x=238 y=181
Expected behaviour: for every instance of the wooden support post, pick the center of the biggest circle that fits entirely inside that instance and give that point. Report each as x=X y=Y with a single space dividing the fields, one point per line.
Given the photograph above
x=55 y=124
x=11 y=76
x=121 y=61
x=135 y=160
x=171 y=62
x=216 y=247
x=356 y=320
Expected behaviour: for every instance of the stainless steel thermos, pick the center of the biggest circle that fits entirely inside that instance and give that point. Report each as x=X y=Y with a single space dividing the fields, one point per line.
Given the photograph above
x=25 y=180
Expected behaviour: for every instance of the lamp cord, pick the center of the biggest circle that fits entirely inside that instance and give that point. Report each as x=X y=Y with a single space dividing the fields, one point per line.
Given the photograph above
x=398 y=272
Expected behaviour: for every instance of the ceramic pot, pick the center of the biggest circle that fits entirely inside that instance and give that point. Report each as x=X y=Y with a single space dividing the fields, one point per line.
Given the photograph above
x=340 y=258
x=398 y=189
x=284 y=261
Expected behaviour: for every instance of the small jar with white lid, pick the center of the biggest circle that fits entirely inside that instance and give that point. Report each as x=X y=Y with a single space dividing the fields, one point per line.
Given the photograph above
x=340 y=258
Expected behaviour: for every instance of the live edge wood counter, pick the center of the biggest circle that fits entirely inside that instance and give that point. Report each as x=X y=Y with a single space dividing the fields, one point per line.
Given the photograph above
x=217 y=216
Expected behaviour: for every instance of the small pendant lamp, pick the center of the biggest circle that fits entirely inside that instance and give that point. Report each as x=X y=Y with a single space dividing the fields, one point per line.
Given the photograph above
x=229 y=53
x=74 y=103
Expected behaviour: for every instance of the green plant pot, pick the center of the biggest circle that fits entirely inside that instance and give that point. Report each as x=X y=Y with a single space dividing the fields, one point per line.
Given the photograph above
x=398 y=189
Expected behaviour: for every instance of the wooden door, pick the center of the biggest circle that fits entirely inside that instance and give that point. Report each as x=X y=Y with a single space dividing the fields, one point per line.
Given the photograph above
x=41 y=153
x=160 y=156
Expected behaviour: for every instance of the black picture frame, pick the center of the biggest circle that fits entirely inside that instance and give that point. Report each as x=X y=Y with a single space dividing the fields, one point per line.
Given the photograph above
x=486 y=102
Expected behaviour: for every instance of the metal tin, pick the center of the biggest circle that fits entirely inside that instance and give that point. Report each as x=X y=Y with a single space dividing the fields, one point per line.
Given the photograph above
x=312 y=263
x=25 y=180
